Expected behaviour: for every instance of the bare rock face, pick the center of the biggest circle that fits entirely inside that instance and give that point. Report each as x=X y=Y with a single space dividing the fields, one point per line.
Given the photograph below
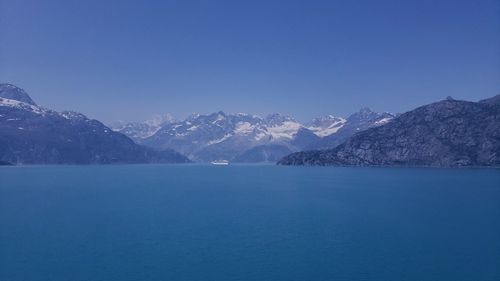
x=448 y=133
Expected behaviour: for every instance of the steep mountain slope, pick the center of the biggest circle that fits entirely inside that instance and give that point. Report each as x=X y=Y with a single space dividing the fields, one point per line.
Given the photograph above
x=325 y=126
x=224 y=136
x=141 y=130
x=303 y=138
x=446 y=133
x=357 y=122
x=9 y=91
x=31 y=134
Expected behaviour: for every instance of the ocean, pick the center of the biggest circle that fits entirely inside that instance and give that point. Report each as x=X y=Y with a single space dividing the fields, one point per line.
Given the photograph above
x=248 y=222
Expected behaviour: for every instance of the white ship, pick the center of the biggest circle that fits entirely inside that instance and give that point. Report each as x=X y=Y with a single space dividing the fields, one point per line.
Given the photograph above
x=220 y=162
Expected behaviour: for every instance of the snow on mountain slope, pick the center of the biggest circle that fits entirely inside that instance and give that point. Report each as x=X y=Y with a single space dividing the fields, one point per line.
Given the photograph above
x=355 y=123
x=244 y=128
x=327 y=125
x=31 y=134
x=220 y=135
x=285 y=130
x=227 y=136
x=33 y=108
x=141 y=130
x=22 y=105
x=11 y=92
x=447 y=133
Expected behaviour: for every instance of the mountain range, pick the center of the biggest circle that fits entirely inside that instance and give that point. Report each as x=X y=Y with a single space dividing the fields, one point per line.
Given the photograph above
x=32 y=134
x=448 y=133
x=248 y=138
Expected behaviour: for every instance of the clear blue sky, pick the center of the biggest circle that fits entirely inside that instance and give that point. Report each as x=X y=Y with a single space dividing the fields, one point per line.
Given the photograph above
x=130 y=59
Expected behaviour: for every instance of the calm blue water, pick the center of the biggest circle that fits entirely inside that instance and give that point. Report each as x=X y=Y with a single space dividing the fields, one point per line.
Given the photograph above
x=248 y=223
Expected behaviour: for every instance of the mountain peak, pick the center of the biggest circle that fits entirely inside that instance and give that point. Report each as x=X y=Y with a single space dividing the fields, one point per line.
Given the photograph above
x=326 y=125
x=324 y=119
x=365 y=110
x=9 y=91
x=277 y=118
x=35 y=135
x=425 y=136
x=219 y=115
x=363 y=114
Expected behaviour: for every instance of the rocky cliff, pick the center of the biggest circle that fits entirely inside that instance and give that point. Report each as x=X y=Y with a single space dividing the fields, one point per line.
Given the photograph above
x=448 y=133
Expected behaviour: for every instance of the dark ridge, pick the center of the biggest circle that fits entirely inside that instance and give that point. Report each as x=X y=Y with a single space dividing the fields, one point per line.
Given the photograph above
x=449 y=133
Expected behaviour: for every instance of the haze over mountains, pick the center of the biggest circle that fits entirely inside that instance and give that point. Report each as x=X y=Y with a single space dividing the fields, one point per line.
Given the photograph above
x=248 y=138
x=446 y=133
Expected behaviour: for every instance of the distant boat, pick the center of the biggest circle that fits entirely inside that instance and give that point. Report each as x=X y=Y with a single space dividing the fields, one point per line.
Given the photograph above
x=220 y=162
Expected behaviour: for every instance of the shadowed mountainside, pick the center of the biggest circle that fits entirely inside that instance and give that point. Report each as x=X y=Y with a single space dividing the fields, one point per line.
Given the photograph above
x=31 y=134
x=447 y=133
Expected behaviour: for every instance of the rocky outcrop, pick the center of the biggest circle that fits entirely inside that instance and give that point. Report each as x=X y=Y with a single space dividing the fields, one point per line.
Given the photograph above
x=448 y=133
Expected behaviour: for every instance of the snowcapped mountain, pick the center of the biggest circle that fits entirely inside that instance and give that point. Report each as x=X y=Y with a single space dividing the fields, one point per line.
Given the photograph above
x=141 y=130
x=244 y=137
x=34 y=134
x=219 y=135
x=364 y=119
x=447 y=133
x=11 y=92
x=224 y=136
x=31 y=134
x=325 y=126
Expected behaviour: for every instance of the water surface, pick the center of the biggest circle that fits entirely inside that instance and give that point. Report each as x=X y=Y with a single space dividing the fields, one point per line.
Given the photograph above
x=193 y=222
